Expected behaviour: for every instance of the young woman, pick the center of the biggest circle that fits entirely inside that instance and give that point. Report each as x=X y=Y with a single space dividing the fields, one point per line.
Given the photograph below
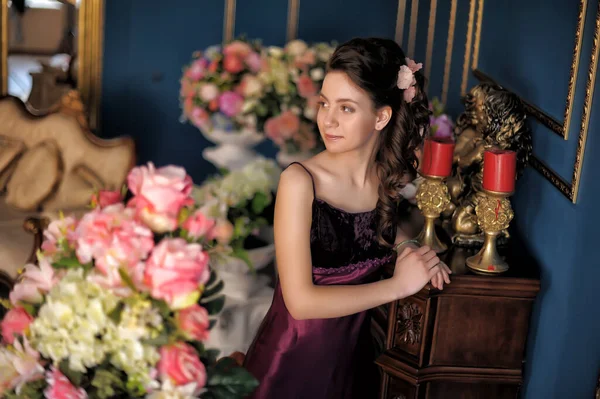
x=336 y=218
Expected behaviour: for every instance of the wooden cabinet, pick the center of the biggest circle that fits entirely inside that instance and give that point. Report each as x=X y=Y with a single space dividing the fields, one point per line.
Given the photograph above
x=467 y=341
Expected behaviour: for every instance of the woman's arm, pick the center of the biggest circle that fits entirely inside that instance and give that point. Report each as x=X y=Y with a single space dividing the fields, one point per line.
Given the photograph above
x=303 y=299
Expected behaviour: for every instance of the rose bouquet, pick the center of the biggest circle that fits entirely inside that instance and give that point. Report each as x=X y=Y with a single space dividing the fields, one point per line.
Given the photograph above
x=121 y=301
x=220 y=88
x=293 y=76
x=242 y=201
x=441 y=124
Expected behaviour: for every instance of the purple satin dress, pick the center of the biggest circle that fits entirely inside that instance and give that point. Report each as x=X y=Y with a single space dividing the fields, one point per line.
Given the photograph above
x=323 y=358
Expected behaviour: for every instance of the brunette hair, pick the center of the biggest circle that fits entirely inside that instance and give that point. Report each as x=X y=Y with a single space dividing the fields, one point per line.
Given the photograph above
x=373 y=65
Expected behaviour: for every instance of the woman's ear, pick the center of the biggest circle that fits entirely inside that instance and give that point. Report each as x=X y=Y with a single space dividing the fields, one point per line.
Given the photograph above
x=384 y=114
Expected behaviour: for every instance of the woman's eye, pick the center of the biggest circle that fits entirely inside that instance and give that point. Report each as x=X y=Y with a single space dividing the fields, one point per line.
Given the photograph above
x=347 y=109
x=321 y=104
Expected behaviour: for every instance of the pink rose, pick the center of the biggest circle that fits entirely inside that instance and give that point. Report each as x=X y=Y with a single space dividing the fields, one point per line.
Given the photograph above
x=197 y=225
x=273 y=131
x=289 y=123
x=250 y=86
x=16 y=321
x=413 y=66
x=233 y=64
x=199 y=117
x=306 y=86
x=405 y=77
x=222 y=232
x=160 y=194
x=175 y=271
x=35 y=282
x=193 y=322
x=180 y=364
x=208 y=92
x=19 y=366
x=59 y=387
x=187 y=88
x=237 y=48
x=305 y=60
x=409 y=94
x=197 y=70
x=230 y=103
x=114 y=239
x=105 y=198
x=60 y=233
x=254 y=62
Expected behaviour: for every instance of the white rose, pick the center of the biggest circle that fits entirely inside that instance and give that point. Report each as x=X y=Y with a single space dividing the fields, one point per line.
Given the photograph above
x=296 y=47
x=248 y=106
x=275 y=51
x=252 y=86
x=296 y=110
x=317 y=74
x=310 y=113
x=208 y=92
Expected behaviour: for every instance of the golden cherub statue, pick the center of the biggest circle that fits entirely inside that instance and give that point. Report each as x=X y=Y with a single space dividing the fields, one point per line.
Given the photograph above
x=493 y=118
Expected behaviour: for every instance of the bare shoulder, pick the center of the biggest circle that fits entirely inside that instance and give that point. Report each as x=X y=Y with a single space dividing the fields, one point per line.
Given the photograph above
x=295 y=181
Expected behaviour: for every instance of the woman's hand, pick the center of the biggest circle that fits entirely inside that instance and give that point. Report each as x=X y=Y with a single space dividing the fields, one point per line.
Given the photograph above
x=415 y=268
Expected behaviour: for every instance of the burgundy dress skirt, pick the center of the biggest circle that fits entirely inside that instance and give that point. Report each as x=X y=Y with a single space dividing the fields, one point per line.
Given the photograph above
x=323 y=358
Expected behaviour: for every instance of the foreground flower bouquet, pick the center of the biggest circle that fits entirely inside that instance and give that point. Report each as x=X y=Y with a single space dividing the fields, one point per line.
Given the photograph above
x=121 y=301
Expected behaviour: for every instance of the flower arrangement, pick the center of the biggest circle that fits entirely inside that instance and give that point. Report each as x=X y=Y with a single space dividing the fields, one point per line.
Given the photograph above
x=441 y=124
x=121 y=301
x=220 y=88
x=242 y=201
x=294 y=75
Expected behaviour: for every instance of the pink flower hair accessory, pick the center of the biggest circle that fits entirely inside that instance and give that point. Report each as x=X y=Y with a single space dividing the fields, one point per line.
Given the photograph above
x=406 y=79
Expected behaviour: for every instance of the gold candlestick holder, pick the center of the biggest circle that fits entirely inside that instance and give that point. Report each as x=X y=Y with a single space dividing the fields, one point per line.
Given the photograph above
x=432 y=199
x=494 y=214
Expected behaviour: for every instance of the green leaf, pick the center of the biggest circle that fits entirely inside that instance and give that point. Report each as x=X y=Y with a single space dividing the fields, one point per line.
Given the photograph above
x=242 y=254
x=161 y=340
x=214 y=306
x=211 y=324
x=210 y=356
x=212 y=278
x=67 y=263
x=115 y=314
x=75 y=377
x=108 y=384
x=213 y=290
x=260 y=202
x=31 y=390
x=126 y=279
x=227 y=378
x=31 y=309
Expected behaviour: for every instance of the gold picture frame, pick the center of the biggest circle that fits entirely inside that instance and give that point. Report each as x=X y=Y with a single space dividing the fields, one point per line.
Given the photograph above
x=89 y=55
x=569 y=189
x=560 y=128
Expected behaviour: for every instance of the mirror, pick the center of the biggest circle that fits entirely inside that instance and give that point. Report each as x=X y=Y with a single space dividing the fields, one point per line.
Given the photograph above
x=49 y=47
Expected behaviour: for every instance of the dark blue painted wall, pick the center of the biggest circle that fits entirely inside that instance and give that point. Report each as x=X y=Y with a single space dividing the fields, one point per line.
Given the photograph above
x=148 y=42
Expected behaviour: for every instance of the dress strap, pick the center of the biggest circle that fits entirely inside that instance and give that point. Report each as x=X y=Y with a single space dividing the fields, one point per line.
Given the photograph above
x=310 y=174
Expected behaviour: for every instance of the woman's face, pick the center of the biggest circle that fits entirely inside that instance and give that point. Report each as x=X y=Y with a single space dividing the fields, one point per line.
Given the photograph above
x=347 y=119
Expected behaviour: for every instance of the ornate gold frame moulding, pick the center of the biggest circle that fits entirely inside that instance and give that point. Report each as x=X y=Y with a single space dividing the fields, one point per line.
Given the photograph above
x=560 y=128
x=89 y=55
x=292 y=21
x=229 y=21
x=569 y=189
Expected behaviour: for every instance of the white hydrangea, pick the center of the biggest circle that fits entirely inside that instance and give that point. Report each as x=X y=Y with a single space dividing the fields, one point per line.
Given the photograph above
x=169 y=391
x=259 y=176
x=72 y=322
x=139 y=321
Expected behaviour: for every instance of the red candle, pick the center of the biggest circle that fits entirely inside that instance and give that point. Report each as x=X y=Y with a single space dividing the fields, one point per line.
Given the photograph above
x=499 y=170
x=437 y=157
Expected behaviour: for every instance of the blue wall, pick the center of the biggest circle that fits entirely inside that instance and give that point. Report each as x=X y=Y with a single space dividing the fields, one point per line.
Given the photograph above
x=530 y=52
x=148 y=42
